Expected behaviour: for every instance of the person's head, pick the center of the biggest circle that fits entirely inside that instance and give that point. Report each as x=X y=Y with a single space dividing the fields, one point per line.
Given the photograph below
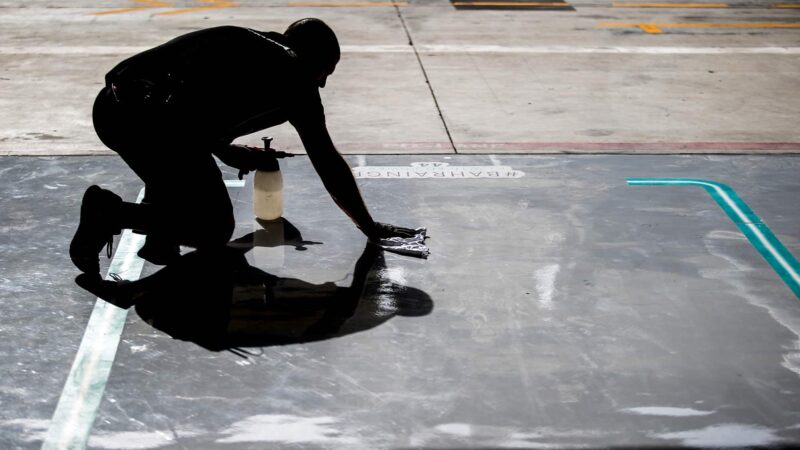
x=316 y=45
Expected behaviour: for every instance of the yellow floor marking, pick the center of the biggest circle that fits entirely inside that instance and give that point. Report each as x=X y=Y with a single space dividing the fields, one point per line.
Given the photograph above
x=357 y=4
x=669 y=5
x=786 y=6
x=511 y=4
x=652 y=29
x=213 y=4
x=152 y=4
x=655 y=28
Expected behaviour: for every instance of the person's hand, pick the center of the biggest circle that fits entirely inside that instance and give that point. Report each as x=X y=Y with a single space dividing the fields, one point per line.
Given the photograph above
x=385 y=230
x=251 y=158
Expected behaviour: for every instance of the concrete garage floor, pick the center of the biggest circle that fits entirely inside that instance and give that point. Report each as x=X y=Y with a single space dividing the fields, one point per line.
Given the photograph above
x=561 y=307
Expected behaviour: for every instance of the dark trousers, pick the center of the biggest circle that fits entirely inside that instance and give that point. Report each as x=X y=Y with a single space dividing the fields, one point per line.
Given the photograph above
x=186 y=201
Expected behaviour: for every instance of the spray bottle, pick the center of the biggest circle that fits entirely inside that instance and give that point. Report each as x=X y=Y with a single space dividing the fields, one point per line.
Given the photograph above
x=268 y=187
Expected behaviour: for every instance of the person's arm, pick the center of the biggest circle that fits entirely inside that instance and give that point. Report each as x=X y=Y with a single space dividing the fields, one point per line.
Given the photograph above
x=337 y=177
x=236 y=156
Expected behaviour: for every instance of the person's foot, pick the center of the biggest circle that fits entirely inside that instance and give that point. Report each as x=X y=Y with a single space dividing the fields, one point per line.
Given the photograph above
x=113 y=291
x=97 y=227
x=159 y=251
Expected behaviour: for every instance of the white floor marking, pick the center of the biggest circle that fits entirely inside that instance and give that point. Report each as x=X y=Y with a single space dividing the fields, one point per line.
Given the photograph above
x=235 y=183
x=76 y=410
x=546 y=284
x=440 y=48
x=667 y=411
x=726 y=435
x=436 y=170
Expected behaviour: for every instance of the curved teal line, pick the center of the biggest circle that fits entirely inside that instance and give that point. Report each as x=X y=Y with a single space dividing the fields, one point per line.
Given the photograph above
x=754 y=229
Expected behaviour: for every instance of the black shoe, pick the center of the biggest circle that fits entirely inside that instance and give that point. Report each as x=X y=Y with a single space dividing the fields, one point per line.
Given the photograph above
x=115 y=292
x=159 y=251
x=97 y=227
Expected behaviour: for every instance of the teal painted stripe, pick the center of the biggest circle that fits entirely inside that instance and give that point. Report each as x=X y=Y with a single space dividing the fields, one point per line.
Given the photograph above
x=77 y=408
x=754 y=229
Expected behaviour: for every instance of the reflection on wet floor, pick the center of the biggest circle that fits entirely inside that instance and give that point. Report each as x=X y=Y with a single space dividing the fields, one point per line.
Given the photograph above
x=219 y=301
x=570 y=310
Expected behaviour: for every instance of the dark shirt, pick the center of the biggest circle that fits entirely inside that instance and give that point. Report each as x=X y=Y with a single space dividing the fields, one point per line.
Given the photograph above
x=206 y=88
x=221 y=83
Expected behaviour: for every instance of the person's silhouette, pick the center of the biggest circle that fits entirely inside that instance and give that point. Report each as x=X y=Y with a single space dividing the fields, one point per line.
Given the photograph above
x=167 y=111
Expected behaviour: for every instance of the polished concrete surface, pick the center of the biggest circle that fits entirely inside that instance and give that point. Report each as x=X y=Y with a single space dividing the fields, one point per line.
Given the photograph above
x=561 y=307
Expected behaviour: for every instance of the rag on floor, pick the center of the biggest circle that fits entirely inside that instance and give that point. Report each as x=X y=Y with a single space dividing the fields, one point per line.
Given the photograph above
x=411 y=246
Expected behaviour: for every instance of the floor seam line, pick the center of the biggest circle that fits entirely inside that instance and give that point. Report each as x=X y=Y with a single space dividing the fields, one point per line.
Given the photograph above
x=427 y=80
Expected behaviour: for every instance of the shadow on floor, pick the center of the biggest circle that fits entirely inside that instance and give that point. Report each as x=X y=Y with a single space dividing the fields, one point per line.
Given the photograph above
x=219 y=301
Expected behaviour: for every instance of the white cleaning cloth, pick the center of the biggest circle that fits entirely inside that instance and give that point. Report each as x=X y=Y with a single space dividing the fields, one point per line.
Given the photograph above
x=410 y=246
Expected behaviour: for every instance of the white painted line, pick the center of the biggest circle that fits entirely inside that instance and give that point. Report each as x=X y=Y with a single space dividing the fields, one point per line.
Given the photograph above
x=436 y=170
x=235 y=183
x=564 y=49
x=775 y=253
x=83 y=391
x=65 y=50
x=546 y=284
x=438 y=48
x=377 y=49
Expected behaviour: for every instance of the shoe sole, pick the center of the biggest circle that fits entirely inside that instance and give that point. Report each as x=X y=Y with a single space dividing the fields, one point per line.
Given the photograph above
x=85 y=258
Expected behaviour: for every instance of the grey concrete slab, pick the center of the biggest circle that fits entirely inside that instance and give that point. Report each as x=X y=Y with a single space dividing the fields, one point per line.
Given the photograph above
x=581 y=102
x=562 y=308
x=51 y=77
x=528 y=100
x=564 y=88
x=446 y=25
x=43 y=314
x=377 y=103
x=47 y=104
